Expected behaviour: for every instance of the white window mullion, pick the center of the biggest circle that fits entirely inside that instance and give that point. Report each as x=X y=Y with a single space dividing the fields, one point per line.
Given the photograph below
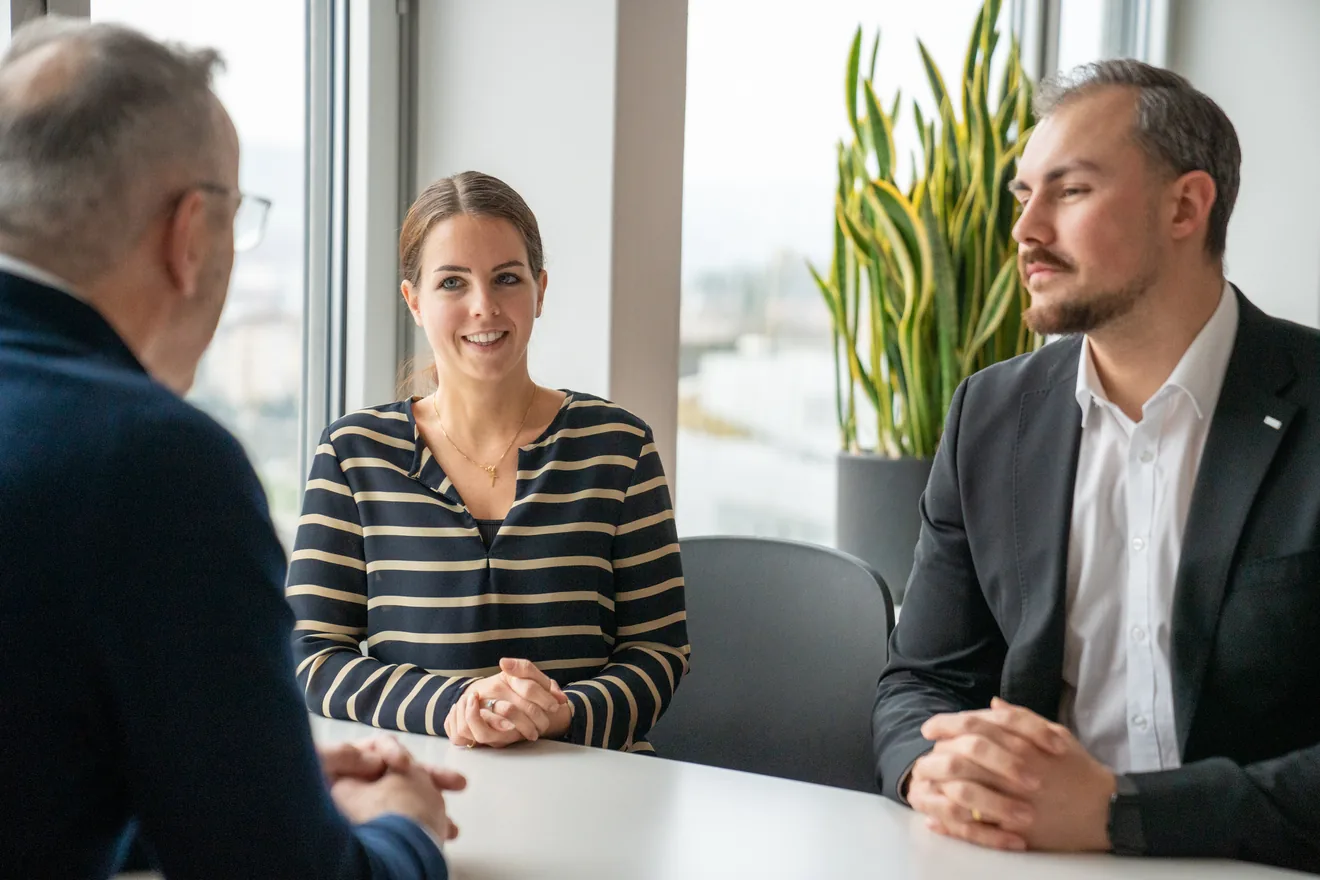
x=324 y=167
x=372 y=283
x=1153 y=32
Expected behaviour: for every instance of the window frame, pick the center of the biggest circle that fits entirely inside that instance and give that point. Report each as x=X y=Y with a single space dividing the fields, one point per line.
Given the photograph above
x=324 y=246
x=1133 y=29
x=360 y=137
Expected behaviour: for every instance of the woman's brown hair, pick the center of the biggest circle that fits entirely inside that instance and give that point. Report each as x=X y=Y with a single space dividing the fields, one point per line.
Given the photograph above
x=474 y=194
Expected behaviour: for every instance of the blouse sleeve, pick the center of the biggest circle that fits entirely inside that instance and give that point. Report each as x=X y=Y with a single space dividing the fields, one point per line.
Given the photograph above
x=327 y=589
x=615 y=708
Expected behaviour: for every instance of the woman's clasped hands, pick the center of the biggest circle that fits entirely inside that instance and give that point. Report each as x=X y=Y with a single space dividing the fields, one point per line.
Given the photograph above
x=520 y=702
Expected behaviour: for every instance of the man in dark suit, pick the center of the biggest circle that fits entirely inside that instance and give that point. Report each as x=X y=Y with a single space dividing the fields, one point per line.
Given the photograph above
x=149 y=684
x=1110 y=638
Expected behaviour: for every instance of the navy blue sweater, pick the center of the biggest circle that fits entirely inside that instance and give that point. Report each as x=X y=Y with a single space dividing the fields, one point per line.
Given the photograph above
x=150 y=682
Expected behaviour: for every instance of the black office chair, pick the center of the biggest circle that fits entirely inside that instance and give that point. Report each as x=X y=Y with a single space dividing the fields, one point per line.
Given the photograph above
x=788 y=641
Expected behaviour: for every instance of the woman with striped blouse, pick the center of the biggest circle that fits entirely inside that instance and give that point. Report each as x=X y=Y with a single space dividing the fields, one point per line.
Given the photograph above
x=506 y=552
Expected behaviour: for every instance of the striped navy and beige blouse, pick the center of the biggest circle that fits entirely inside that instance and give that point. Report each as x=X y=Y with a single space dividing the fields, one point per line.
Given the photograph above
x=582 y=577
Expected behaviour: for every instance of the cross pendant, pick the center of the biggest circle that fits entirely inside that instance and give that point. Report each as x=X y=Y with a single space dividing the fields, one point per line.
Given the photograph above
x=491 y=470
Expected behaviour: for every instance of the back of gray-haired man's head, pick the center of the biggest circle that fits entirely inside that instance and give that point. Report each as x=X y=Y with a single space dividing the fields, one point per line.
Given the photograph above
x=97 y=121
x=1179 y=128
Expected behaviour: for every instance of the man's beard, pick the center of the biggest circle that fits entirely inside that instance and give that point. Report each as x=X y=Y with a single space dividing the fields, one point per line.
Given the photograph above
x=1088 y=311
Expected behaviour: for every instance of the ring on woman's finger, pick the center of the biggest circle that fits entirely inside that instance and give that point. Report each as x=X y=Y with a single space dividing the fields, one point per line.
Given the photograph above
x=976 y=815
x=488 y=705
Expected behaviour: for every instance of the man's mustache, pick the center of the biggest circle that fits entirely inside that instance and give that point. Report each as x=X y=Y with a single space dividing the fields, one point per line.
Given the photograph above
x=1042 y=257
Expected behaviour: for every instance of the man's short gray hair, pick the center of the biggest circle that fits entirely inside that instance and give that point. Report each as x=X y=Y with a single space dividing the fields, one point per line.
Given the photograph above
x=1180 y=128
x=84 y=160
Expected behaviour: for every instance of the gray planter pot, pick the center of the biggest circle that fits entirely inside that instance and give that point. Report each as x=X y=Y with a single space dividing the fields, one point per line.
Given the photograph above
x=876 y=516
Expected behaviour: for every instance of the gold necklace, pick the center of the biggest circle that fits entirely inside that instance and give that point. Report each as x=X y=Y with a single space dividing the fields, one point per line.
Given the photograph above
x=488 y=468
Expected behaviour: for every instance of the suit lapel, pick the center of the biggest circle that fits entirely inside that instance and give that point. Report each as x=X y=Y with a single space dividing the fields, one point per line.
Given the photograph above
x=1238 y=451
x=1044 y=470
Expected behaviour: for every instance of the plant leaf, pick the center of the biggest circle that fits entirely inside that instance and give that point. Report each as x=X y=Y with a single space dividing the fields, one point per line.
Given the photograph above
x=893 y=206
x=997 y=302
x=969 y=60
x=882 y=134
x=940 y=279
x=923 y=287
x=861 y=239
x=850 y=81
x=933 y=75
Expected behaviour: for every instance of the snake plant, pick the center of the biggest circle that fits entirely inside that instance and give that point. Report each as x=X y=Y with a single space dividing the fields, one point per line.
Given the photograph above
x=923 y=288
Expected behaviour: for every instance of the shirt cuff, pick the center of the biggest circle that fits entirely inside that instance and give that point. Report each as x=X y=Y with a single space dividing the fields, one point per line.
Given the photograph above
x=902 y=788
x=896 y=763
x=435 y=838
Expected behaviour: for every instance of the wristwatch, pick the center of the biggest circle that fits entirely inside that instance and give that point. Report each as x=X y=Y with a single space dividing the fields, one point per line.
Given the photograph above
x=1126 y=837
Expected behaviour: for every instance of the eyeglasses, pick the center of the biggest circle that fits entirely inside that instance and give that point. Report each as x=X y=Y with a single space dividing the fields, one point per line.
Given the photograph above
x=249 y=219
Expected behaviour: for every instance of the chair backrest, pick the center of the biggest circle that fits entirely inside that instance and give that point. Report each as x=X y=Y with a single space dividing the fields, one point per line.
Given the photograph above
x=788 y=642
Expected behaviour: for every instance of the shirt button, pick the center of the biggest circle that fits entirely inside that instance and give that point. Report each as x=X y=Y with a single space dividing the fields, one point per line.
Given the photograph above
x=1139 y=722
x=1147 y=457
x=1138 y=544
x=1138 y=634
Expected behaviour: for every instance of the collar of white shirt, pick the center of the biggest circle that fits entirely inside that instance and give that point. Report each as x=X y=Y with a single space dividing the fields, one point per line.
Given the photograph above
x=24 y=269
x=1199 y=374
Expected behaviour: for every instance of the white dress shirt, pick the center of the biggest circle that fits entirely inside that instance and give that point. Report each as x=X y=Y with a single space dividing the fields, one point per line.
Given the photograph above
x=24 y=269
x=1134 y=484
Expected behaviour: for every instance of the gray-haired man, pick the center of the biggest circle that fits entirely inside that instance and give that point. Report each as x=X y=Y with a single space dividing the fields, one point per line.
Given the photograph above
x=150 y=683
x=1109 y=639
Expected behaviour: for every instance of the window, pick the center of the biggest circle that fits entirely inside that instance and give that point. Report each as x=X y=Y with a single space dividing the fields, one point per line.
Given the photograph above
x=1093 y=30
x=765 y=106
x=251 y=377
x=1083 y=26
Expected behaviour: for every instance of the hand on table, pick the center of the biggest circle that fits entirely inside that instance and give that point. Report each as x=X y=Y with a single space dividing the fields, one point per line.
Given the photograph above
x=1004 y=777
x=370 y=758
x=364 y=759
x=416 y=792
x=518 y=703
x=367 y=761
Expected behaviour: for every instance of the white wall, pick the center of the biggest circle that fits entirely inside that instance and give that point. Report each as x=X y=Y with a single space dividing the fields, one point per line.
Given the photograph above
x=647 y=219
x=1259 y=61
x=577 y=104
x=524 y=90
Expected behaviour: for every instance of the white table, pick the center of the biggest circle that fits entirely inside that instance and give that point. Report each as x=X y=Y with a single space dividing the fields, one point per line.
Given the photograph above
x=549 y=810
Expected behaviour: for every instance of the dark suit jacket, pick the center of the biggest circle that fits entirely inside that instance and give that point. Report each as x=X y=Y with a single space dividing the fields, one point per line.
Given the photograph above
x=985 y=607
x=149 y=680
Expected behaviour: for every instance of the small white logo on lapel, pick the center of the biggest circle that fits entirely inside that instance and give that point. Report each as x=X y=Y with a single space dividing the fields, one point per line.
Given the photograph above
x=1273 y=422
